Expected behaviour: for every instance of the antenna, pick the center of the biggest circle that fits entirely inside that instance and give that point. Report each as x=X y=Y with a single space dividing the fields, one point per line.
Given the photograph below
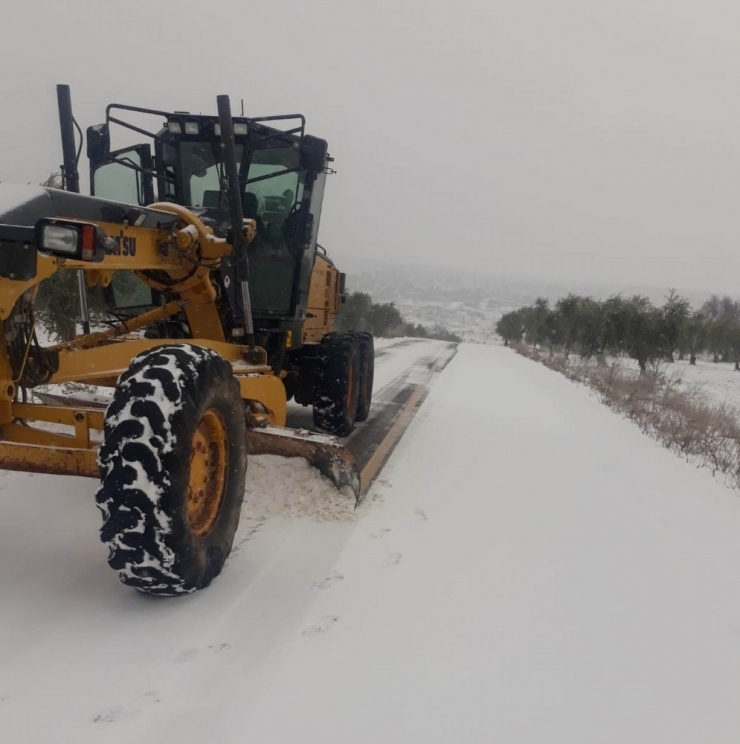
x=242 y=107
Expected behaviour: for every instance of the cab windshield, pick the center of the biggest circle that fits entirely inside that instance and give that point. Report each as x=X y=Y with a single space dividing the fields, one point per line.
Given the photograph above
x=272 y=185
x=269 y=194
x=202 y=172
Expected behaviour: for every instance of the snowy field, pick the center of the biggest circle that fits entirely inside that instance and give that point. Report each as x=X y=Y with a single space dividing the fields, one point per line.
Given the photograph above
x=529 y=568
x=719 y=381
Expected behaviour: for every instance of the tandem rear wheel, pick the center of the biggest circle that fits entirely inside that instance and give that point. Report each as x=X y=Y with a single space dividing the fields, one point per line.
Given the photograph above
x=343 y=382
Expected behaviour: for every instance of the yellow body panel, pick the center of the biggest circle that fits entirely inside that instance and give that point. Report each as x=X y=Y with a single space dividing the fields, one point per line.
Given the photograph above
x=113 y=359
x=324 y=300
x=49 y=459
x=268 y=393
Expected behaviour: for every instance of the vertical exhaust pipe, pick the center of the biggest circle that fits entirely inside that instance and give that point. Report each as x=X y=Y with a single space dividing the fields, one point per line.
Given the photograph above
x=70 y=174
x=71 y=180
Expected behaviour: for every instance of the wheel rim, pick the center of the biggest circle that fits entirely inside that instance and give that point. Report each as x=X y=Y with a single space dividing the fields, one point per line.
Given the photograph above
x=207 y=478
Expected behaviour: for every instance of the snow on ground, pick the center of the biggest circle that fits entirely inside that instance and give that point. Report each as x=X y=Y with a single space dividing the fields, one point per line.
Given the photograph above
x=474 y=320
x=531 y=569
x=405 y=354
x=720 y=381
x=382 y=343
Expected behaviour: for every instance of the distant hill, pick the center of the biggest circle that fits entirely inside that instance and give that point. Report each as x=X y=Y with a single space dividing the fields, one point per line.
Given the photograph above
x=469 y=303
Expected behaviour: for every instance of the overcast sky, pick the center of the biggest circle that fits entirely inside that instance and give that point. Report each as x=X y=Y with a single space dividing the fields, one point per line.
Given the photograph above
x=586 y=139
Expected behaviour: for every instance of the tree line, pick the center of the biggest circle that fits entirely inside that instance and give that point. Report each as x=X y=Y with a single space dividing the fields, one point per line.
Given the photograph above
x=384 y=320
x=629 y=326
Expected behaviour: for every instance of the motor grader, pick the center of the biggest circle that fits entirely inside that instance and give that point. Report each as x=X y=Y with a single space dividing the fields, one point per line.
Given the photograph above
x=221 y=307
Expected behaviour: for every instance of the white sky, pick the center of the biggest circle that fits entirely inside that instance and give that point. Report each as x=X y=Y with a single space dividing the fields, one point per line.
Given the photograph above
x=585 y=139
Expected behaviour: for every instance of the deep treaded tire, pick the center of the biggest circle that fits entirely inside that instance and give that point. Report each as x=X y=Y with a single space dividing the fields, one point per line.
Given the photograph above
x=172 y=469
x=337 y=383
x=367 y=373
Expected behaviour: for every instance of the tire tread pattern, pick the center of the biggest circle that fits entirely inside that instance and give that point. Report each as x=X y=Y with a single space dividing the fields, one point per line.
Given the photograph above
x=335 y=407
x=144 y=462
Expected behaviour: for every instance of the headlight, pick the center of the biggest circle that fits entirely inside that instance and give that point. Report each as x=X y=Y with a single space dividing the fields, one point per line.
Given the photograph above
x=81 y=240
x=191 y=127
x=60 y=239
x=240 y=128
x=173 y=127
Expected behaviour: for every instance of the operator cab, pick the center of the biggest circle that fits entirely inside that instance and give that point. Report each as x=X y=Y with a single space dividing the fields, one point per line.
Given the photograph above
x=281 y=178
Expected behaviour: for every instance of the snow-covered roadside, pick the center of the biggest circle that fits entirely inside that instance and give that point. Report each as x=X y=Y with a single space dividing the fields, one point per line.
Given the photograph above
x=693 y=422
x=718 y=380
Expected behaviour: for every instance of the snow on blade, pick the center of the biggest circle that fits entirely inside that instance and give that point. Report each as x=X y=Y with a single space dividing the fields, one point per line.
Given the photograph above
x=290 y=487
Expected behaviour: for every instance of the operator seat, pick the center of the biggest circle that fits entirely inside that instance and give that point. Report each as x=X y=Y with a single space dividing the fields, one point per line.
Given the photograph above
x=250 y=209
x=211 y=198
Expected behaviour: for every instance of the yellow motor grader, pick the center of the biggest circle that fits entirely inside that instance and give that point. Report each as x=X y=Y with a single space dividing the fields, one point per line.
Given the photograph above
x=221 y=307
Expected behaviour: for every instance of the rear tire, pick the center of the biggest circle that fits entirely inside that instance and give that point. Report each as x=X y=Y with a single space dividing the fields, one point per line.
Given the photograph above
x=367 y=373
x=337 y=384
x=172 y=469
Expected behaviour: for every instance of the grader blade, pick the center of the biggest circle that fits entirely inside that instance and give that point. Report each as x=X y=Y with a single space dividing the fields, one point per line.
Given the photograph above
x=323 y=452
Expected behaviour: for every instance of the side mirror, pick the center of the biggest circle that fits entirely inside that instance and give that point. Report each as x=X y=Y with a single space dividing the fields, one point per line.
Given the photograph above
x=98 y=144
x=314 y=153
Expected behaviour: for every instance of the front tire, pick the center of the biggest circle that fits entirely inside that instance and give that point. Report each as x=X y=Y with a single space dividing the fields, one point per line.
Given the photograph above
x=172 y=469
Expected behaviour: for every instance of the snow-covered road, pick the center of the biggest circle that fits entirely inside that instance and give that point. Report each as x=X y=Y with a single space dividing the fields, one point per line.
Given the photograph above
x=530 y=568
